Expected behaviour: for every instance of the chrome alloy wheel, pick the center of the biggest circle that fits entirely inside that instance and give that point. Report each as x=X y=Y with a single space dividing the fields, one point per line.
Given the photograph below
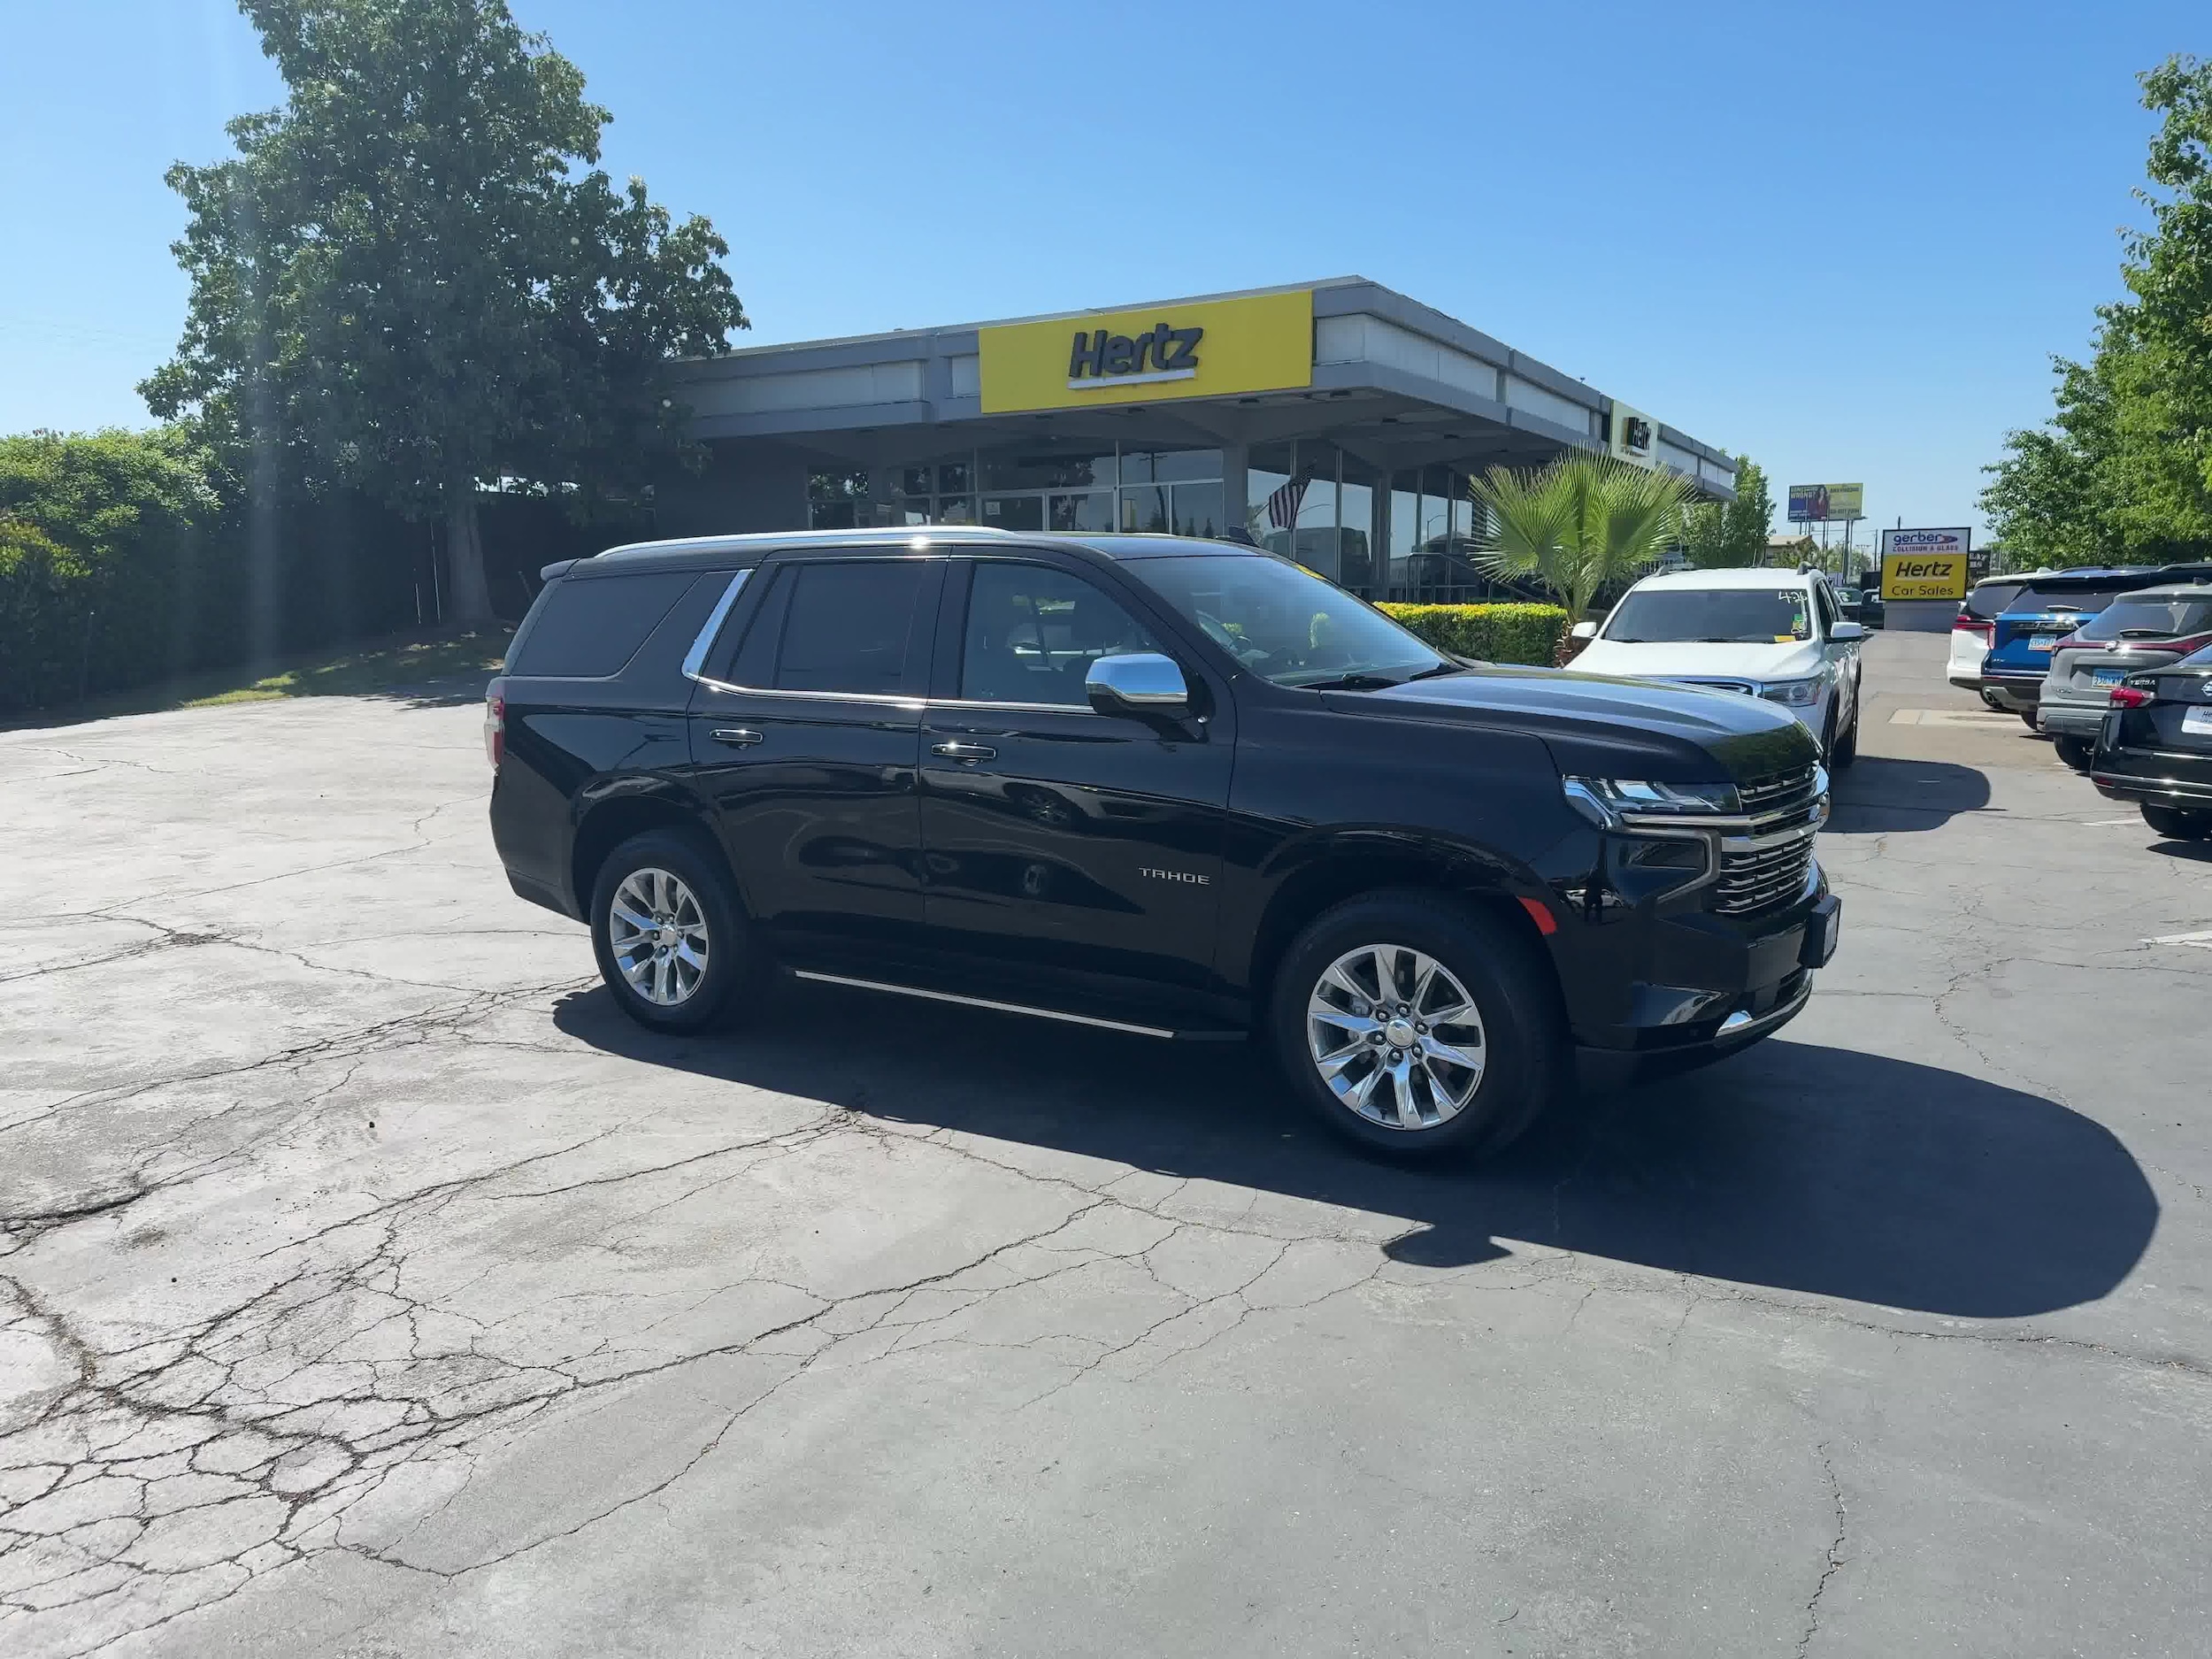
x=659 y=935
x=1395 y=1036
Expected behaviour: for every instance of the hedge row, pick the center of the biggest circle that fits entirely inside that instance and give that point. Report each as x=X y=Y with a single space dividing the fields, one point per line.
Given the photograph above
x=1492 y=633
x=129 y=556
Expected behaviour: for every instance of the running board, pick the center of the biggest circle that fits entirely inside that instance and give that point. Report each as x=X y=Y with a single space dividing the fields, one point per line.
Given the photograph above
x=983 y=1002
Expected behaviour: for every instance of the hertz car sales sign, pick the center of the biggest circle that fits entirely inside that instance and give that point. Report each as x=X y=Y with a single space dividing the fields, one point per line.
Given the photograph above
x=1209 y=349
x=1924 y=564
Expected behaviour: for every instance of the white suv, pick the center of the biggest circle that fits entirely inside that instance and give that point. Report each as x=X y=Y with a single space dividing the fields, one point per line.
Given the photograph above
x=1776 y=634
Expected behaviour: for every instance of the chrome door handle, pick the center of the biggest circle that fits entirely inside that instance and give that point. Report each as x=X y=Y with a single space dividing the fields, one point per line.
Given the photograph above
x=964 y=751
x=739 y=736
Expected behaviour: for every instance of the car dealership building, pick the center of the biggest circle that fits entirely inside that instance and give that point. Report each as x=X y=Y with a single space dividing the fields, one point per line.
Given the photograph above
x=1335 y=421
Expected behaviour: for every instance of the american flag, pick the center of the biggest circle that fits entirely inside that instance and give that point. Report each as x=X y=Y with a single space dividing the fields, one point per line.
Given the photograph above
x=1282 y=506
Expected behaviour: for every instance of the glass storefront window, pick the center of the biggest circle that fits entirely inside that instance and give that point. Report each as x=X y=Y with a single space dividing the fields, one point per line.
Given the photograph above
x=1198 y=509
x=953 y=478
x=1170 y=466
x=1315 y=544
x=1144 y=510
x=1045 y=469
x=954 y=510
x=1355 y=521
x=1014 y=512
x=913 y=481
x=1267 y=507
x=1092 y=513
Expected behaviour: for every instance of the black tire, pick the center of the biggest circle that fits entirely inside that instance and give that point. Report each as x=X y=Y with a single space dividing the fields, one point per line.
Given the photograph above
x=1845 y=749
x=2075 y=751
x=2028 y=716
x=2176 y=824
x=1503 y=973
x=736 y=969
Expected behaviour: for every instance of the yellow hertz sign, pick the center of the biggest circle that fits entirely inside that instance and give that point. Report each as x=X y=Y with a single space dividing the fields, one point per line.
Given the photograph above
x=1924 y=576
x=1205 y=348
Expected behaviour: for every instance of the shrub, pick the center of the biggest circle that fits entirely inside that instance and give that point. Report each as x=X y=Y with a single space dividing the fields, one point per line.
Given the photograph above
x=101 y=539
x=1493 y=633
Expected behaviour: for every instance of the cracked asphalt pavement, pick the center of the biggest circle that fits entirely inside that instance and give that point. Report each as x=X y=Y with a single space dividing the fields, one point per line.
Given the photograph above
x=369 y=1287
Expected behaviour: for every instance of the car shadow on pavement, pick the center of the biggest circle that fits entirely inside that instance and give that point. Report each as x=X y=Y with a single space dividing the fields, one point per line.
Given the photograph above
x=1879 y=795
x=2200 y=852
x=1791 y=1166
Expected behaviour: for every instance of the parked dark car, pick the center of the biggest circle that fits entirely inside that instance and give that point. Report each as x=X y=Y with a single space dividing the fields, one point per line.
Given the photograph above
x=2153 y=627
x=1175 y=788
x=2154 y=747
x=1861 y=606
x=2037 y=618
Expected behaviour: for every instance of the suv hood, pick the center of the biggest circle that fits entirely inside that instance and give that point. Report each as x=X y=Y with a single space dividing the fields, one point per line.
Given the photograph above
x=1800 y=660
x=1599 y=725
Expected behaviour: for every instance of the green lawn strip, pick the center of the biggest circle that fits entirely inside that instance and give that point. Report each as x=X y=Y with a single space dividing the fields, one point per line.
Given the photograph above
x=365 y=668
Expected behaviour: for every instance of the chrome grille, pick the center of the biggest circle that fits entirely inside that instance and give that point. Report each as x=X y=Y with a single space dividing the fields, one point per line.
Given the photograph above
x=1754 y=880
x=1775 y=791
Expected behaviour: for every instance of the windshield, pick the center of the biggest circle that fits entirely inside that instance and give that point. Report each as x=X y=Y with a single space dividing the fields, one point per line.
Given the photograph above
x=1282 y=621
x=2133 y=615
x=1737 y=616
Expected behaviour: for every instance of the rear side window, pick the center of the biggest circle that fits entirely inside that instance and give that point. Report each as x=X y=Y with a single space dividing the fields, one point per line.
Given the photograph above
x=2133 y=615
x=1992 y=601
x=849 y=628
x=589 y=629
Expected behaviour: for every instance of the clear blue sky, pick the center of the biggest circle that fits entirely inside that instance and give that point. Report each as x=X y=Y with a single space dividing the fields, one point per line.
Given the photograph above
x=1844 y=239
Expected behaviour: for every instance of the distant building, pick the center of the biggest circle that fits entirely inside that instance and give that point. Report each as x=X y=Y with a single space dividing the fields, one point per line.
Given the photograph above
x=1790 y=551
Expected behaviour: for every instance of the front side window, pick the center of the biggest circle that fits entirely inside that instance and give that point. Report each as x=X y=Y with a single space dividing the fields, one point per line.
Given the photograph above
x=1281 y=621
x=1033 y=634
x=848 y=626
x=1718 y=616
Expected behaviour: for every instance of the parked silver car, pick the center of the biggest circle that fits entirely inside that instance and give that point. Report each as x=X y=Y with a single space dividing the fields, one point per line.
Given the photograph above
x=2153 y=627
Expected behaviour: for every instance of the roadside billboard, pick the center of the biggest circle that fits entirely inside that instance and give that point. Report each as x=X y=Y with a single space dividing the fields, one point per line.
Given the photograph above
x=1811 y=503
x=1926 y=563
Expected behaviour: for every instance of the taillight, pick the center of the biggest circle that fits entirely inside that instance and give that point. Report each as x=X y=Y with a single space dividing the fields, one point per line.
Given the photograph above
x=2187 y=648
x=2132 y=696
x=1973 y=625
x=495 y=722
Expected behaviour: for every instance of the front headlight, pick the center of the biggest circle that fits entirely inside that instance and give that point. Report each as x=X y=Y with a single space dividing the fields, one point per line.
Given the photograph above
x=1795 y=694
x=1604 y=800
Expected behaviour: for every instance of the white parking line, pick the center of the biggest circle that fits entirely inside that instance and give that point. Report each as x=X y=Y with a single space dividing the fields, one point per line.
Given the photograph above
x=2199 y=941
x=1951 y=717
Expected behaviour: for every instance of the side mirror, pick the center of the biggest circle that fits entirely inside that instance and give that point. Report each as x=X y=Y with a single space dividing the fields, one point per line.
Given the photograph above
x=1845 y=632
x=1142 y=682
x=1582 y=631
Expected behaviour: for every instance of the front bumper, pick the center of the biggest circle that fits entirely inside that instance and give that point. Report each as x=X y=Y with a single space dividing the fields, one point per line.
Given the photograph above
x=1716 y=985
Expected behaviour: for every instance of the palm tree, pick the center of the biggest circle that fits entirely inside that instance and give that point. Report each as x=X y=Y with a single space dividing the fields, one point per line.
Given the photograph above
x=1579 y=523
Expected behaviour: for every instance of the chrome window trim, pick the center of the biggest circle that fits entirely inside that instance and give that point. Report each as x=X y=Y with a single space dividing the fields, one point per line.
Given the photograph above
x=1019 y=707
x=899 y=700
x=696 y=658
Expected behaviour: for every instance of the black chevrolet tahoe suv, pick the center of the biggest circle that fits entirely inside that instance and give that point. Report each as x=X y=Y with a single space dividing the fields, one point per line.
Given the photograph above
x=1178 y=788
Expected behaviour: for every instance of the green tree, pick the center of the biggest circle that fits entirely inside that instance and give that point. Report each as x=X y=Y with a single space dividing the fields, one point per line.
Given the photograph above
x=414 y=281
x=2123 y=471
x=1579 y=523
x=1728 y=534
